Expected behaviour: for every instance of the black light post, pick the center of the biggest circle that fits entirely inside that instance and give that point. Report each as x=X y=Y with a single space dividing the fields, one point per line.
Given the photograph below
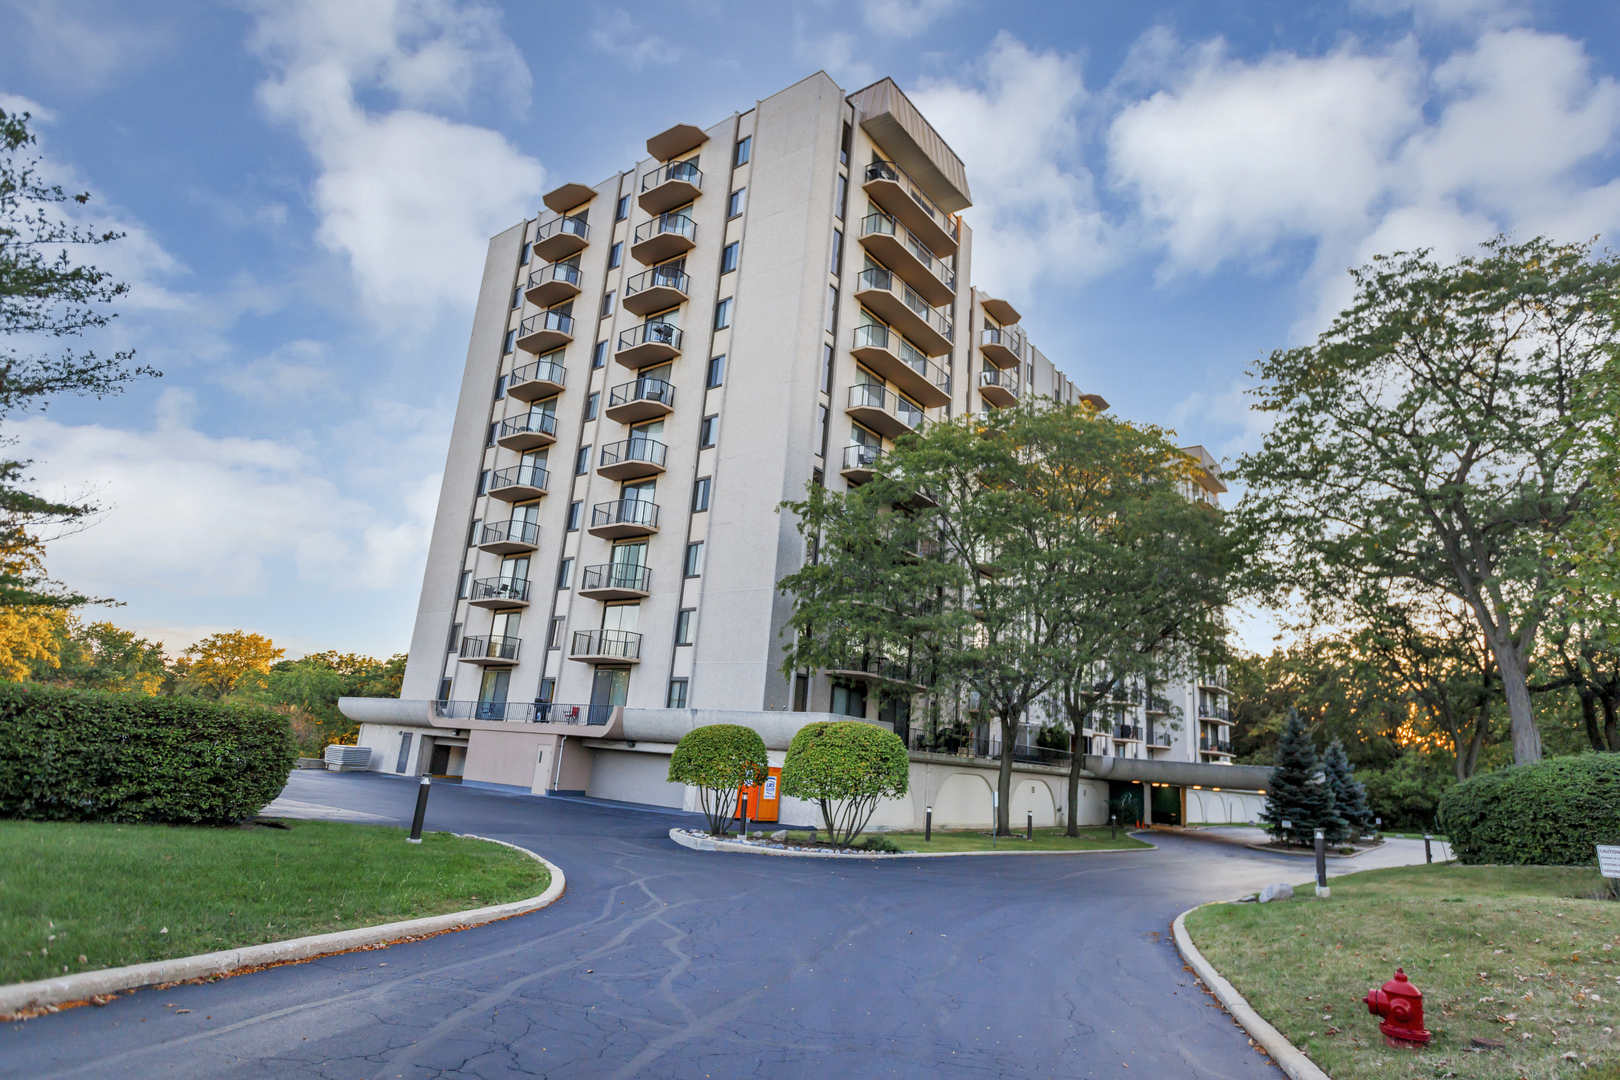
x=1321 y=863
x=928 y=825
x=1029 y=825
x=1428 y=852
x=421 y=810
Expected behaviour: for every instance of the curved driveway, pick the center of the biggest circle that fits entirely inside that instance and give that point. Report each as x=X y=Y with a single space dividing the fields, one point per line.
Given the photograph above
x=662 y=962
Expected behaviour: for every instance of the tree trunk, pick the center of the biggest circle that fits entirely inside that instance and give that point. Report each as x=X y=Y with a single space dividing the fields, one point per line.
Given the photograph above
x=1611 y=720
x=1075 y=760
x=1009 y=735
x=1589 y=715
x=1516 y=687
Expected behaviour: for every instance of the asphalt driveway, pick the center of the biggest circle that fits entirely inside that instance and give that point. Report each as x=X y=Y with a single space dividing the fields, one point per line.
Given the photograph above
x=663 y=962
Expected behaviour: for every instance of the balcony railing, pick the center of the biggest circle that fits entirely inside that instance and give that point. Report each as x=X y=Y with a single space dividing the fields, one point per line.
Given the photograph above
x=515 y=590
x=1214 y=712
x=888 y=170
x=681 y=175
x=551 y=284
x=564 y=226
x=490 y=648
x=875 y=404
x=1004 y=347
x=649 y=451
x=886 y=280
x=533 y=381
x=620 y=644
x=544 y=331
x=1158 y=737
x=998 y=387
x=1215 y=746
x=632 y=512
x=536 y=423
x=1127 y=731
x=519 y=476
x=664 y=237
x=625 y=576
x=861 y=457
x=874 y=340
x=514 y=533
x=938 y=277
x=656 y=289
x=1157 y=704
x=649 y=343
x=650 y=390
x=523 y=712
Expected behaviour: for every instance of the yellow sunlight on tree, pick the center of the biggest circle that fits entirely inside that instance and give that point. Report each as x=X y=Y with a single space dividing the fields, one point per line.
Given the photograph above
x=28 y=635
x=214 y=665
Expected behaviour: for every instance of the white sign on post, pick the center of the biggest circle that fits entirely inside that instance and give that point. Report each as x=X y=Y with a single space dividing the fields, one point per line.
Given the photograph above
x=1609 y=860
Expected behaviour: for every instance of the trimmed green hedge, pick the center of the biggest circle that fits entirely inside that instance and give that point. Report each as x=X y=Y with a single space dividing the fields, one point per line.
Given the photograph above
x=1551 y=813
x=846 y=767
x=77 y=755
x=718 y=759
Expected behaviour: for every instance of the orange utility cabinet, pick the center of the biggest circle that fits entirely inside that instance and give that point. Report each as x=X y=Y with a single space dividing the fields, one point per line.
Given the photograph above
x=763 y=799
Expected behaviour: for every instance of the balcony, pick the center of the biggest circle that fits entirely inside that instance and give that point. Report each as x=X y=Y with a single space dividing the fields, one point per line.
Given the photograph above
x=528 y=432
x=647 y=344
x=1127 y=733
x=890 y=355
x=870 y=667
x=1157 y=704
x=888 y=185
x=1215 y=746
x=531 y=382
x=1212 y=680
x=898 y=304
x=1220 y=714
x=644 y=399
x=611 y=646
x=1003 y=348
x=489 y=651
x=545 y=331
x=658 y=289
x=518 y=483
x=898 y=248
x=633 y=459
x=560 y=238
x=615 y=581
x=882 y=410
x=499 y=592
x=552 y=284
x=999 y=388
x=509 y=537
x=1158 y=739
x=859 y=462
x=663 y=238
x=624 y=518
x=669 y=186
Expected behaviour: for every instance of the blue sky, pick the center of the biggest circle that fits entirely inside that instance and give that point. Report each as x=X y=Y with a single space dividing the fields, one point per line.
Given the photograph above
x=1167 y=190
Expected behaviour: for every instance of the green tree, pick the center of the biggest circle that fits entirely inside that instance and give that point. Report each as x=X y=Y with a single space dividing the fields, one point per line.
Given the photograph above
x=1297 y=793
x=44 y=293
x=1434 y=436
x=845 y=767
x=308 y=690
x=212 y=667
x=719 y=760
x=1349 y=797
x=101 y=656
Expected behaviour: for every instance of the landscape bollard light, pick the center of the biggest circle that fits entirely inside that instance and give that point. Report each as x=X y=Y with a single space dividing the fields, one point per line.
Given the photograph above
x=1322 y=891
x=421 y=811
x=745 y=816
x=1287 y=828
x=1029 y=825
x=1113 y=826
x=928 y=825
x=1428 y=852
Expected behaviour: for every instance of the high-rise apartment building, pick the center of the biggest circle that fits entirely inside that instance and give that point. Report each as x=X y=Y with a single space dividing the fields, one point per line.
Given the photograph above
x=657 y=362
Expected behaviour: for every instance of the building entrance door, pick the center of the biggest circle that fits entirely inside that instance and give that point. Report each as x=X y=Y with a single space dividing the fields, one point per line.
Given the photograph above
x=609 y=688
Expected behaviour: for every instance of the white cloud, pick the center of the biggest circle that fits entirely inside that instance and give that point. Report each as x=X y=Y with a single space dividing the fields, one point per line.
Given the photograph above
x=835 y=53
x=905 y=18
x=1017 y=126
x=408 y=197
x=87 y=53
x=1449 y=14
x=620 y=36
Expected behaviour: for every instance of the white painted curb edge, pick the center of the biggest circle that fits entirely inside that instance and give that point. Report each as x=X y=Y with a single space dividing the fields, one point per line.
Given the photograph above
x=1289 y=1059
x=86 y=984
x=705 y=843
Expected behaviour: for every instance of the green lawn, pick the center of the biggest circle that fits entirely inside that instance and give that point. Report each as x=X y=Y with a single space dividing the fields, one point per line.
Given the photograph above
x=76 y=897
x=1045 y=840
x=1499 y=952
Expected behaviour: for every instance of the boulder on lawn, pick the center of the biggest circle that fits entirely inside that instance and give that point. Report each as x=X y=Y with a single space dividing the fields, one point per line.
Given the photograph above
x=1279 y=891
x=779 y=835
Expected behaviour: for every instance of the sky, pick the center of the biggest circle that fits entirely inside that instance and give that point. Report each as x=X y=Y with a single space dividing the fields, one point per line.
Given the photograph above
x=1166 y=190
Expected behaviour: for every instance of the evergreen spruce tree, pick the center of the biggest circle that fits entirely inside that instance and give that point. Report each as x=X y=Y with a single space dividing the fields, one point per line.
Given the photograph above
x=1349 y=797
x=1296 y=794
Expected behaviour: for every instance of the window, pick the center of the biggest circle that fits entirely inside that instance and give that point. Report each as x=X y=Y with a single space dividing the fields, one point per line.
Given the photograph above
x=694 y=559
x=523 y=258
x=511 y=339
x=607 y=304
x=717 y=372
x=622 y=211
x=801 y=693
x=582 y=463
x=575 y=511
x=683 y=626
x=832 y=309
x=455 y=638
x=722 y=314
x=517 y=297
x=826 y=368
x=565 y=574
x=735 y=205
x=838 y=198
x=548 y=691
x=483 y=482
x=616 y=255
x=554 y=635
x=821 y=444
x=728 y=257
x=472 y=532
x=676 y=698
x=591 y=404
x=599 y=354
x=837 y=251
x=745 y=146
x=444 y=695
x=708 y=432
x=494 y=430
x=461 y=587
x=500 y=386
x=700 y=495
x=843 y=147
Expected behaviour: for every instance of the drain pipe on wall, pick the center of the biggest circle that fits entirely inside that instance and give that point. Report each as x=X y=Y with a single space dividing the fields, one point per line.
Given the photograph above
x=556 y=767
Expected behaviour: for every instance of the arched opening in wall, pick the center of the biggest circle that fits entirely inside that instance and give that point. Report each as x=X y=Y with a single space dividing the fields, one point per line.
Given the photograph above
x=963 y=799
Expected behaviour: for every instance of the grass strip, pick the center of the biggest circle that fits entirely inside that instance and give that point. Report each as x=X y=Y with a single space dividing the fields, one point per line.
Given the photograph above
x=1512 y=954
x=78 y=897
x=1045 y=840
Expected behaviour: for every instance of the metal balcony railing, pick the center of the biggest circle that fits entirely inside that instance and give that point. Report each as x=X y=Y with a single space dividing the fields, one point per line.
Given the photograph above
x=886 y=225
x=490 y=648
x=1218 y=746
x=1005 y=380
x=617 y=643
x=659 y=277
x=555 y=272
x=1158 y=737
x=625 y=512
x=520 y=532
x=861 y=457
x=1007 y=339
x=523 y=712
x=642 y=390
x=547 y=320
x=616 y=576
x=637 y=449
x=651 y=333
x=877 y=336
x=676 y=224
x=888 y=170
x=1214 y=712
x=1127 y=731
x=501 y=588
x=567 y=226
x=540 y=423
x=519 y=475
x=684 y=171
x=888 y=281
x=539 y=371
x=1156 y=704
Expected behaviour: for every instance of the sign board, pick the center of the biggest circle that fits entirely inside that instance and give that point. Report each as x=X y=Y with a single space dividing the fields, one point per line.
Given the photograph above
x=1609 y=860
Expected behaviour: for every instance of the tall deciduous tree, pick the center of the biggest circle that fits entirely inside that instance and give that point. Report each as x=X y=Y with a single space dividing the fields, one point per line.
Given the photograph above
x=1434 y=436
x=215 y=665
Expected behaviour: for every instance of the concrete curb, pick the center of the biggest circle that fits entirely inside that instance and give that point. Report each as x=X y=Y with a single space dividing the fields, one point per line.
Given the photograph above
x=1268 y=849
x=19 y=997
x=1288 y=1059
x=705 y=843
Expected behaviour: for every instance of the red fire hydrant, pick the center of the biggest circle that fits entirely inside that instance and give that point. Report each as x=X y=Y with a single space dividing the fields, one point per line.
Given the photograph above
x=1401 y=1005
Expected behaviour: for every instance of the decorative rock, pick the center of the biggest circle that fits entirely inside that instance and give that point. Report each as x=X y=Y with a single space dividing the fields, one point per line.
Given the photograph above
x=779 y=835
x=1480 y=1043
x=1279 y=891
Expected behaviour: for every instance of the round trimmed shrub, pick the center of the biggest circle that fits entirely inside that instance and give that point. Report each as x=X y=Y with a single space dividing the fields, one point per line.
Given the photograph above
x=79 y=755
x=1551 y=813
x=719 y=759
x=845 y=767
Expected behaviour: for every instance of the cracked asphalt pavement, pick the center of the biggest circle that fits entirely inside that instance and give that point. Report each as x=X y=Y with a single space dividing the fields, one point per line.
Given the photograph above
x=663 y=962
